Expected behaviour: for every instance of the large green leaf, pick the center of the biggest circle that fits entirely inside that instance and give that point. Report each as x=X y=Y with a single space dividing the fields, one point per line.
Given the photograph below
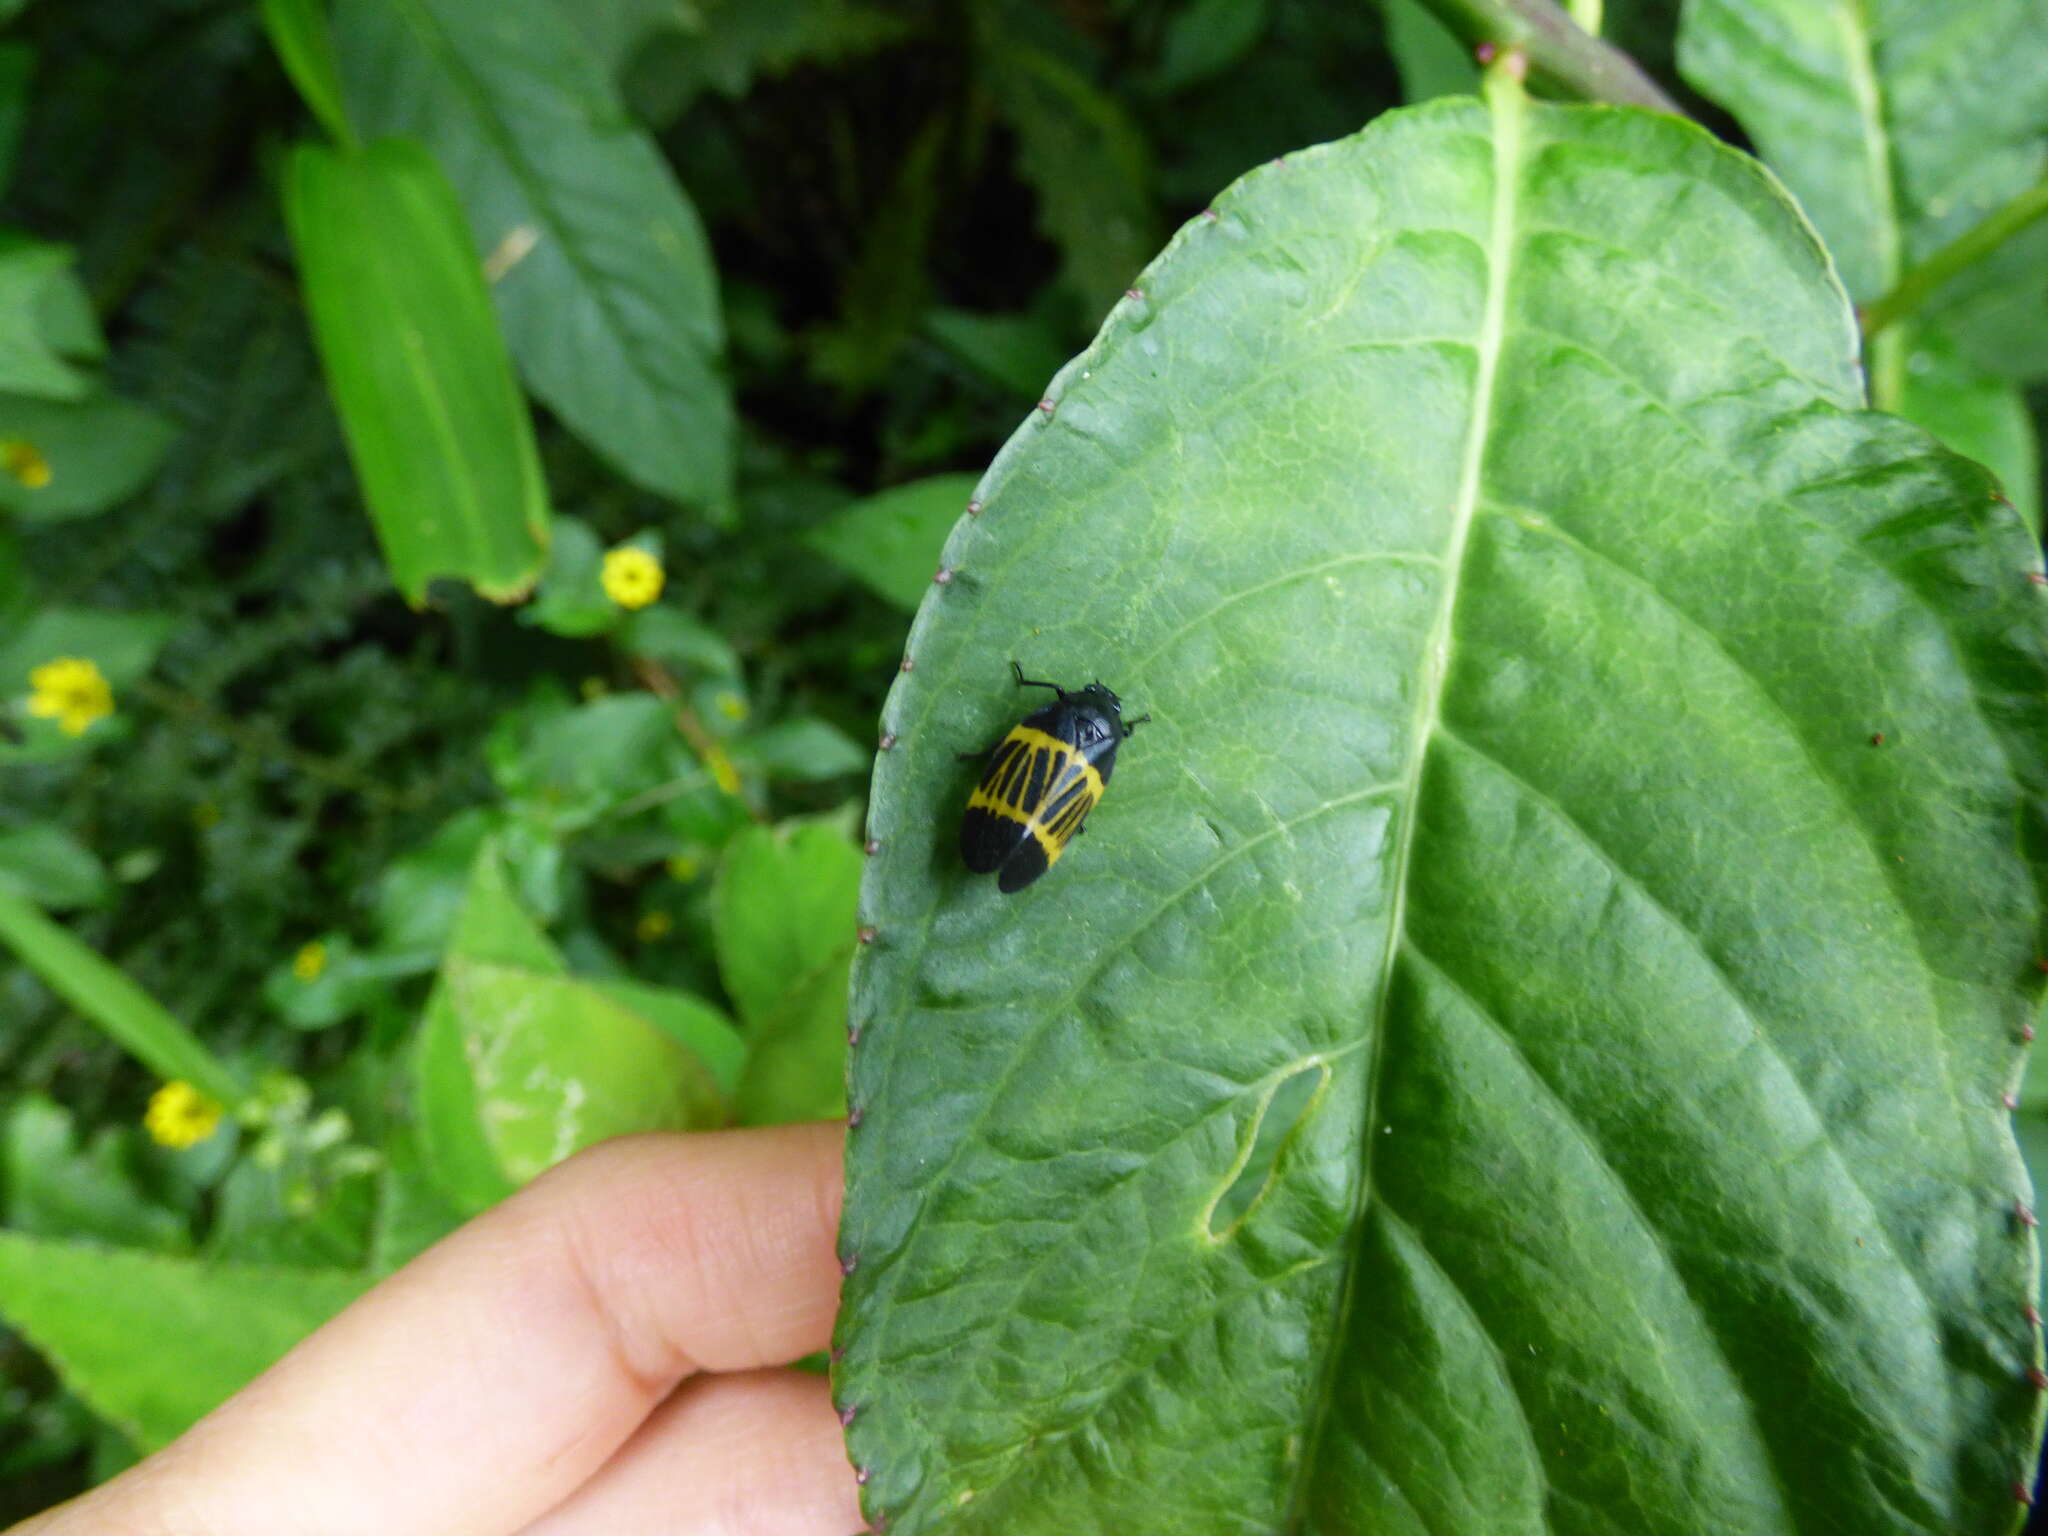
x=154 y=1343
x=1520 y=1048
x=603 y=278
x=435 y=423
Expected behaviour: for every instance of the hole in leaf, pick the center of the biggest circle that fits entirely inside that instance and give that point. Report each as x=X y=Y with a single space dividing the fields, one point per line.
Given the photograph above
x=1286 y=1104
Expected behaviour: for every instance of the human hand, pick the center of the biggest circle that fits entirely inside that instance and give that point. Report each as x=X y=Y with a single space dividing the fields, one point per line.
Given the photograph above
x=605 y=1352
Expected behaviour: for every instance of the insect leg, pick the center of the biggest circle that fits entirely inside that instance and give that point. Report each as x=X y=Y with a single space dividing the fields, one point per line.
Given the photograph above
x=1028 y=682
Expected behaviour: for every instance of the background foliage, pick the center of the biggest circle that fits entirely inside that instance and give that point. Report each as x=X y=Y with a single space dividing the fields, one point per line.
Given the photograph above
x=773 y=279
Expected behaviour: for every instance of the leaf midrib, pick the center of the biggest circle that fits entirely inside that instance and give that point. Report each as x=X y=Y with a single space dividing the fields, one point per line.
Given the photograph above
x=1859 y=57
x=1505 y=102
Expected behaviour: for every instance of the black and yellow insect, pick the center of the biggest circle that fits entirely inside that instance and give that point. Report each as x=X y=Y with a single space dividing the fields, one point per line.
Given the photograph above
x=1041 y=782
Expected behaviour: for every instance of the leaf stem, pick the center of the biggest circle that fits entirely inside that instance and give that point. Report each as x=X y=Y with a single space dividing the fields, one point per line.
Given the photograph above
x=1966 y=250
x=1559 y=49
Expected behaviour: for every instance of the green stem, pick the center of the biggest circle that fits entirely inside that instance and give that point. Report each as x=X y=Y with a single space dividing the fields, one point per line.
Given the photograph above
x=1558 y=49
x=1966 y=250
x=104 y=994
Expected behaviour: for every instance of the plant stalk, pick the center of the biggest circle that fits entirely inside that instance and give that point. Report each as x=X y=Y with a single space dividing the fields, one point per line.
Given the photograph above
x=1558 y=49
x=1965 y=251
x=104 y=993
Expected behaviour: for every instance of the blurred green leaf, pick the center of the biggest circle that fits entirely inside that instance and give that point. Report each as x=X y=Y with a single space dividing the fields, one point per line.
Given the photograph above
x=288 y=1213
x=1897 y=126
x=50 y=867
x=341 y=984
x=1975 y=413
x=1485 y=509
x=1085 y=158
x=1997 y=310
x=520 y=1065
x=574 y=766
x=803 y=749
x=37 y=287
x=571 y=600
x=599 y=267
x=413 y=1212
x=420 y=892
x=678 y=641
x=57 y=1188
x=783 y=921
x=304 y=40
x=154 y=1343
x=1021 y=352
x=82 y=456
x=435 y=422
x=1432 y=61
x=1205 y=38
x=891 y=540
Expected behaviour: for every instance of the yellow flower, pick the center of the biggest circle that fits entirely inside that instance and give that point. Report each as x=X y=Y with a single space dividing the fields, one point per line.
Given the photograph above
x=632 y=577
x=179 y=1115
x=71 y=690
x=310 y=961
x=25 y=462
x=723 y=774
x=653 y=925
x=731 y=705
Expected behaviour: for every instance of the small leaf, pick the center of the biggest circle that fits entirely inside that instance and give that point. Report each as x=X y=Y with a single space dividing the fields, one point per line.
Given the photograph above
x=1514 y=1051
x=520 y=1065
x=56 y=1188
x=33 y=276
x=153 y=1344
x=603 y=277
x=79 y=457
x=783 y=921
x=891 y=541
x=1206 y=38
x=304 y=41
x=1977 y=414
x=571 y=600
x=435 y=423
x=52 y=868
x=1432 y=61
x=803 y=749
x=1021 y=352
